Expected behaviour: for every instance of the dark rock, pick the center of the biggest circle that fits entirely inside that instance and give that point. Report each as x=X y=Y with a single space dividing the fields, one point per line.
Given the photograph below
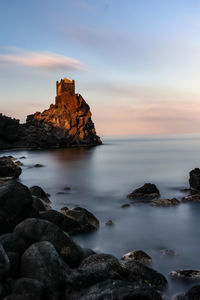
x=64 y=210
x=191 y=294
x=36 y=230
x=38 y=166
x=67 y=188
x=102 y=262
x=87 y=221
x=4 y=263
x=67 y=224
x=125 y=205
x=137 y=255
x=143 y=275
x=19 y=163
x=24 y=286
x=9 y=169
x=194 y=179
x=21 y=297
x=110 y=223
x=40 y=193
x=165 y=202
x=39 y=204
x=42 y=262
x=147 y=191
x=60 y=193
x=16 y=204
x=14 y=259
x=22 y=157
x=114 y=290
x=12 y=242
x=6 y=287
x=192 y=198
x=87 y=252
x=186 y=274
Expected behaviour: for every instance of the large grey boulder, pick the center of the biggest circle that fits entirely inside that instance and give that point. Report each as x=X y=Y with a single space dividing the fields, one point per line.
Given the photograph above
x=42 y=262
x=16 y=204
x=37 y=230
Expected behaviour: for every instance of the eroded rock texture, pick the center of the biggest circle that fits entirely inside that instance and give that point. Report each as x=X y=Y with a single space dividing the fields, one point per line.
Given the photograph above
x=66 y=123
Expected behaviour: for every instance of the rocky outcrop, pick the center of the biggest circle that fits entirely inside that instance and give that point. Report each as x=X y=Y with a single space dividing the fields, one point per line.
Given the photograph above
x=66 y=123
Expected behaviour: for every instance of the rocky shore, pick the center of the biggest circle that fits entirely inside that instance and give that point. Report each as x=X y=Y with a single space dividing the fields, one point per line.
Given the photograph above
x=67 y=123
x=40 y=260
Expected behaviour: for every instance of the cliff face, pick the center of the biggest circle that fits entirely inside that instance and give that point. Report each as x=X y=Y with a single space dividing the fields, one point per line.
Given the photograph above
x=67 y=123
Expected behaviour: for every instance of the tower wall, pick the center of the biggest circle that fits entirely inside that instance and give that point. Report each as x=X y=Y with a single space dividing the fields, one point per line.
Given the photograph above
x=65 y=85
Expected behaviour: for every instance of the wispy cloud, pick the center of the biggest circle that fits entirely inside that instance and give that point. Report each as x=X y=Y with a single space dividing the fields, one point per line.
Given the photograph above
x=40 y=60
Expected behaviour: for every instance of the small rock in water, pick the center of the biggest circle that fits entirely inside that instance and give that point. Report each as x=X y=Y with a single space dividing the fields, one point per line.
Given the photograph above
x=168 y=252
x=165 y=202
x=67 y=188
x=192 y=198
x=125 y=205
x=194 y=179
x=186 y=274
x=147 y=191
x=38 y=166
x=110 y=223
x=22 y=157
x=137 y=255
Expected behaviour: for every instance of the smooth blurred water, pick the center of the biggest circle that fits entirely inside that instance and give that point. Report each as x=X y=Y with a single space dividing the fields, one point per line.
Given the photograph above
x=101 y=177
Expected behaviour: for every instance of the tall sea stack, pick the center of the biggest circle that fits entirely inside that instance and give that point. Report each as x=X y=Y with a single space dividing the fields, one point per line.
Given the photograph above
x=66 y=123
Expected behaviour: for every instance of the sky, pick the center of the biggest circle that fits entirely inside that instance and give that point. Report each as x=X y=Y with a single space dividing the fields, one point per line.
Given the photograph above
x=135 y=62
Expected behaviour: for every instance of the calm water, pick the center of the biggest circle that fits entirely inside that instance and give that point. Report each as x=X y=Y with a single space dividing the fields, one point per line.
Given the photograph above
x=101 y=177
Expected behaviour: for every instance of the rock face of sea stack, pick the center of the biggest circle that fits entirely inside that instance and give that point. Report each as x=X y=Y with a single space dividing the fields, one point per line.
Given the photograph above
x=66 y=123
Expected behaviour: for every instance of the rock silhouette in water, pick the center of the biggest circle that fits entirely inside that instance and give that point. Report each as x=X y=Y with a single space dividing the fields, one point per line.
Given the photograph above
x=66 y=123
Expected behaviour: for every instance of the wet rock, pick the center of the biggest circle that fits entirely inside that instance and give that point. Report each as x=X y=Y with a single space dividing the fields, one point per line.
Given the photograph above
x=186 y=274
x=110 y=223
x=147 y=191
x=137 y=255
x=24 y=286
x=143 y=275
x=87 y=221
x=192 y=198
x=16 y=204
x=168 y=252
x=103 y=262
x=4 y=263
x=36 y=230
x=114 y=290
x=42 y=262
x=191 y=294
x=38 y=166
x=12 y=242
x=194 y=179
x=165 y=202
x=125 y=205
x=8 y=168
x=66 y=223
x=40 y=193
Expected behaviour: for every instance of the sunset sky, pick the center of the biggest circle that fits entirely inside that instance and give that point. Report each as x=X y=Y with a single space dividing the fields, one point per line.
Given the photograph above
x=136 y=62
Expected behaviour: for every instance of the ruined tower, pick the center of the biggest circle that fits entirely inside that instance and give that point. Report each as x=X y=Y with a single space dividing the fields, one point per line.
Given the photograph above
x=65 y=85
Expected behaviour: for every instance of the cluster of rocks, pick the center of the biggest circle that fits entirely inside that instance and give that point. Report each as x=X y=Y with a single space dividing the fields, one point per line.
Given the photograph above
x=67 y=123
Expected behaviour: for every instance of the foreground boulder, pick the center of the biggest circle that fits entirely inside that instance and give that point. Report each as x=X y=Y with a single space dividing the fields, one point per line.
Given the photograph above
x=194 y=179
x=42 y=262
x=36 y=230
x=66 y=123
x=16 y=204
x=86 y=220
x=114 y=290
x=9 y=169
x=143 y=275
x=191 y=294
x=147 y=191
x=137 y=255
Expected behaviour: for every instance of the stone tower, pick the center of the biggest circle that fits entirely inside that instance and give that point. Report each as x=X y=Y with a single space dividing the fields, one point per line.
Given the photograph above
x=65 y=85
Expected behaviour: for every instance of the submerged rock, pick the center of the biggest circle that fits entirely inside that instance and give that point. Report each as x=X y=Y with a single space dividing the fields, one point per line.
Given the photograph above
x=186 y=274
x=137 y=255
x=8 y=168
x=194 y=179
x=66 y=123
x=165 y=202
x=147 y=191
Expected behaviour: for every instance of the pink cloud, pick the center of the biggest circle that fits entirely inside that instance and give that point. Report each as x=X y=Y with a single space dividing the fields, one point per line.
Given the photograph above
x=40 y=60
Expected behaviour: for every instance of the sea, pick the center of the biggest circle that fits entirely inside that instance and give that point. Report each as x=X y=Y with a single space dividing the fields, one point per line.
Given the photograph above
x=100 y=179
